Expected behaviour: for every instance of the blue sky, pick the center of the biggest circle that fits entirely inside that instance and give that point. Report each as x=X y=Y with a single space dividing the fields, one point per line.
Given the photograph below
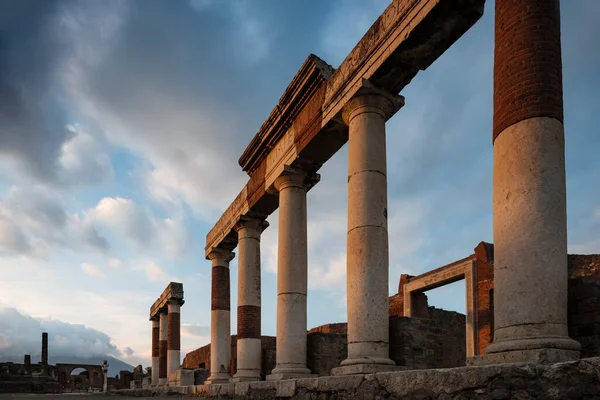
x=121 y=123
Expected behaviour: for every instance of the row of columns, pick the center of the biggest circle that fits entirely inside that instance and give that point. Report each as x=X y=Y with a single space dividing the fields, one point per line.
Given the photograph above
x=529 y=223
x=166 y=342
x=368 y=342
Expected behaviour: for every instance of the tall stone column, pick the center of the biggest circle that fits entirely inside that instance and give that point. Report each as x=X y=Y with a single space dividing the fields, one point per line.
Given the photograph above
x=292 y=276
x=248 y=312
x=44 y=348
x=529 y=199
x=220 y=318
x=155 y=349
x=174 y=338
x=367 y=258
x=162 y=348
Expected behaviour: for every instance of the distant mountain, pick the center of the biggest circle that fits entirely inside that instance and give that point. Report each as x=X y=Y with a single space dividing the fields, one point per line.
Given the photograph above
x=114 y=364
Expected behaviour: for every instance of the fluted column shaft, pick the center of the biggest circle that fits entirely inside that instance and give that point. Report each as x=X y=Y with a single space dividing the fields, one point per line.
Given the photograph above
x=220 y=318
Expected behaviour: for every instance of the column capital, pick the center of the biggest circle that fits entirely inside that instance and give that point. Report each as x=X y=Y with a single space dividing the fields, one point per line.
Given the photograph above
x=220 y=256
x=252 y=222
x=371 y=99
x=295 y=177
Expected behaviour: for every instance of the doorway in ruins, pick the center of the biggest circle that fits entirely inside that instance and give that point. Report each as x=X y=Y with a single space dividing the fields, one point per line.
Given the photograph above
x=441 y=286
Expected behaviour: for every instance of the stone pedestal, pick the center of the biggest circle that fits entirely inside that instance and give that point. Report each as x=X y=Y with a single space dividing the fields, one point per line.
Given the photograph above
x=155 y=349
x=220 y=319
x=292 y=276
x=174 y=338
x=367 y=248
x=529 y=200
x=248 y=312
x=162 y=347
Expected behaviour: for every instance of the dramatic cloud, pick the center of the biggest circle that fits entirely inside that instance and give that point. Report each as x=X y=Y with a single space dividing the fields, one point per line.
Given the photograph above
x=21 y=334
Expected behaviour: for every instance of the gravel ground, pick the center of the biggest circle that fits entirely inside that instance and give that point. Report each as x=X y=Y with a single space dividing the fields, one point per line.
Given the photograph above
x=69 y=396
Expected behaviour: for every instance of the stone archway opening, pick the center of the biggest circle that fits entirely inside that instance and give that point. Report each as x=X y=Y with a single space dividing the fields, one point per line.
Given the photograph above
x=79 y=379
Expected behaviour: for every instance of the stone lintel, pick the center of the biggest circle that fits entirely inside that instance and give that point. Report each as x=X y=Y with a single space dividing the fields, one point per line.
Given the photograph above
x=309 y=77
x=306 y=125
x=173 y=292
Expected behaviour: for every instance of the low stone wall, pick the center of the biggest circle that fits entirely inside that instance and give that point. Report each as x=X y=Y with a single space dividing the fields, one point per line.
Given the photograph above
x=584 y=302
x=572 y=380
x=325 y=351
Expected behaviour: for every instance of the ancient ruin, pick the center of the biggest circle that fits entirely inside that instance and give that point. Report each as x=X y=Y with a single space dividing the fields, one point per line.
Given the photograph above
x=527 y=300
x=45 y=378
x=166 y=334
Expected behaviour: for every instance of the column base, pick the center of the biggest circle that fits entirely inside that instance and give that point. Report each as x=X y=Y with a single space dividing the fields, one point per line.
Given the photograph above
x=535 y=356
x=162 y=381
x=365 y=365
x=289 y=373
x=218 y=378
x=246 y=376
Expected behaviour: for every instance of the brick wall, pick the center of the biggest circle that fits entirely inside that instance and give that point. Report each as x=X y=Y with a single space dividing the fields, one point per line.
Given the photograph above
x=340 y=327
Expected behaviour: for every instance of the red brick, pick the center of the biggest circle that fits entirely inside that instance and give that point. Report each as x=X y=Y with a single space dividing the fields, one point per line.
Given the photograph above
x=248 y=318
x=174 y=332
x=527 y=62
x=220 y=297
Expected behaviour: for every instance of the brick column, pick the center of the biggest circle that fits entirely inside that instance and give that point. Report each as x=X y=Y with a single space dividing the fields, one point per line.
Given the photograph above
x=220 y=318
x=155 y=349
x=292 y=276
x=248 y=311
x=367 y=256
x=174 y=338
x=162 y=348
x=529 y=200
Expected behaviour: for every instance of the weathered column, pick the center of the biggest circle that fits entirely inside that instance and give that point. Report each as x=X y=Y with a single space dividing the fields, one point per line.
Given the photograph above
x=292 y=276
x=44 y=348
x=220 y=319
x=248 y=312
x=155 y=349
x=367 y=247
x=162 y=348
x=529 y=200
x=174 y=338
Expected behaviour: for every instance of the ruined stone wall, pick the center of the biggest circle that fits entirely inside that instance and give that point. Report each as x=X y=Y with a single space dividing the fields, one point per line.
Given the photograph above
x=339 y=327
x=424 y=343
x=326 y=350
x=584 y=302
x=21 y=378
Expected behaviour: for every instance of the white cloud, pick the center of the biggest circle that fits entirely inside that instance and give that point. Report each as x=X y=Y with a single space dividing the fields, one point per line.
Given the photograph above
x=195 y=330
x=92 y=270
x=141 y=228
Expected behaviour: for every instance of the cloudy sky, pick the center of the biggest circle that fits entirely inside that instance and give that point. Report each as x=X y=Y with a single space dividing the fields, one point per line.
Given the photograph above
x=121 y=123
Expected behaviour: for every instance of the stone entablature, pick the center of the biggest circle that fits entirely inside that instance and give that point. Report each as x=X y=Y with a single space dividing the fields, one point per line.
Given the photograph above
x=172 y=293
x=406 y=38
